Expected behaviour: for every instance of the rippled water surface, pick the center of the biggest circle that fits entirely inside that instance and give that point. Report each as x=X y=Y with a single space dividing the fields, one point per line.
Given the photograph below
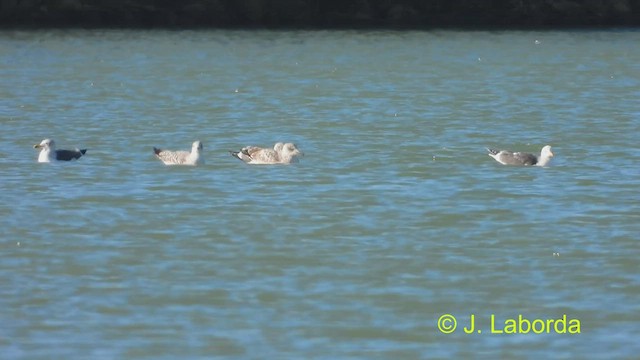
x=394 y=217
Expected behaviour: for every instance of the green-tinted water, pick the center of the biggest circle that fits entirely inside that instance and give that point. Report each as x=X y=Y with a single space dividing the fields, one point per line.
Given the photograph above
x=393 y=218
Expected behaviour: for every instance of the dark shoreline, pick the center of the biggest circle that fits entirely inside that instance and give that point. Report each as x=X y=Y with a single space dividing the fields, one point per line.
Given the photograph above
x=320 y=14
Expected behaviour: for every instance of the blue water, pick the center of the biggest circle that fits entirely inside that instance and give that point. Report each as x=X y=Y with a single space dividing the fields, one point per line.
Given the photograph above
x=394 y=217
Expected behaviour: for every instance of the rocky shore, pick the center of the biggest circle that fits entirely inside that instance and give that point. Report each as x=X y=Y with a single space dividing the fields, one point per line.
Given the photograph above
x=320 y=13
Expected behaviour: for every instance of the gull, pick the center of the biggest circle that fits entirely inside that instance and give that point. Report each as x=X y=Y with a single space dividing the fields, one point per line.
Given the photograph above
x=169 y=157
x=49 y=153
x=505 y=157
x=280 y=154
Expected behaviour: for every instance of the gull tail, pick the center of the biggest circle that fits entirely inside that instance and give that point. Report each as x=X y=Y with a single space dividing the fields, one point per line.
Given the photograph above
x=235 y=154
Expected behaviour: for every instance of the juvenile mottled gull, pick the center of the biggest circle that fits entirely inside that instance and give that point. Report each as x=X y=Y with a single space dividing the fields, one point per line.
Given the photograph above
x=280 y=154
x=49 y=153
x=169 y=157
x=505 y=157
x=255 y=149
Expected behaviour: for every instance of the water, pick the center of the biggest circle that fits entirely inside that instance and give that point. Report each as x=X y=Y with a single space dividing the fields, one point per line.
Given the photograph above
x=394 y=217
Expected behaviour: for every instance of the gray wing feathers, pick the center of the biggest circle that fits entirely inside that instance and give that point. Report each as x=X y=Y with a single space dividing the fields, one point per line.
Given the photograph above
x=520 y=158
x=67 y=155
x=510 y=158
x=172 y=157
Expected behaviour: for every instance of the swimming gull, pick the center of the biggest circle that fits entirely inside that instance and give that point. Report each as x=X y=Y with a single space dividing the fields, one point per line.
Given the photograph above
x=505 y=157
x=48 y=152
x=280 y=154
x=169 y=157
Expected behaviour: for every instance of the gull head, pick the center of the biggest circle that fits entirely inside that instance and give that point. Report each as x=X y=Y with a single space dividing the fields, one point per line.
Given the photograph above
x=46 y=144
x=291 y=149
x=196 y=146
x=546 y=152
